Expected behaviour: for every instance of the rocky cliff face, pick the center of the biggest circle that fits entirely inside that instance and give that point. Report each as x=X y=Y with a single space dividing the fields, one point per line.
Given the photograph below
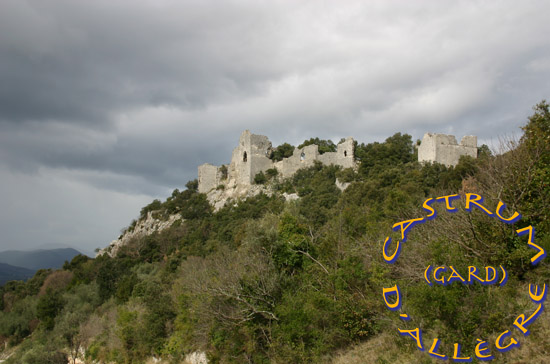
x=144 y=227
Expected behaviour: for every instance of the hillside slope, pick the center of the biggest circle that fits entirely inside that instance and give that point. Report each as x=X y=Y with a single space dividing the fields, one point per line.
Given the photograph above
x=266 y=280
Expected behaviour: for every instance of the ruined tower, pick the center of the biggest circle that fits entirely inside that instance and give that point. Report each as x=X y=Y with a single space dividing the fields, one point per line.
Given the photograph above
x=250 y=157
x=444 y=149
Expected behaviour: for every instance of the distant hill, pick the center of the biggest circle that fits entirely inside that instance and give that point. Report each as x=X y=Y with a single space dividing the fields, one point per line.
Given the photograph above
x=11 y=273
x=52 y=246
x=38 y=259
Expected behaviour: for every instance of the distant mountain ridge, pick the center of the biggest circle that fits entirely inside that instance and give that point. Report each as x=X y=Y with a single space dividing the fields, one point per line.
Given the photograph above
x=11 y=273
x=38 y=259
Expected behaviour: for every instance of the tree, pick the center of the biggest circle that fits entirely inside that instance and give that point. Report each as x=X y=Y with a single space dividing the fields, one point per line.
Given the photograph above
x=271 y=173
x=324 y=145
x=153 y=206
x=42 y=354
x=282 y=151
x=536 y=140
x=79 y=305
x=396 y=150
x=223 y=171
x=196 y=207
x=260 y=178
x=49 y=305
x=192 y=185
x=484 y=151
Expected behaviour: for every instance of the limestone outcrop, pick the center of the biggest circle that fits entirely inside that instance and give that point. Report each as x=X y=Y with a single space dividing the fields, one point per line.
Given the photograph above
x=196 y=357
x=143 y=227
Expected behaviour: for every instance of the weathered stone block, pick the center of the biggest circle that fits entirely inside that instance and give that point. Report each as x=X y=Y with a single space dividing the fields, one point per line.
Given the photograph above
x=444 y=149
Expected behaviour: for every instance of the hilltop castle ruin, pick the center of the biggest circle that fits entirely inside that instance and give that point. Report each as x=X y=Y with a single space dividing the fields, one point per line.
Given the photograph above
x=251 y=157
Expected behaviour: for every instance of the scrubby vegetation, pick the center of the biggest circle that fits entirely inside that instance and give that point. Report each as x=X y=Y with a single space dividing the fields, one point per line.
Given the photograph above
x=284 y=150
x=324 y=145
x=264 y=281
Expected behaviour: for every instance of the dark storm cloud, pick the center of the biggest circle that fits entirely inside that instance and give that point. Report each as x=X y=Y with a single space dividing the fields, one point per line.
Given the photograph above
x=76 y=61
x=125 y=99
x=87 y=63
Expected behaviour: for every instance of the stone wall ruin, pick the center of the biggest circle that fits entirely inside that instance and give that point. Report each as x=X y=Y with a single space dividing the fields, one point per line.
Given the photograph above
x=444 y=149
x=251 y=156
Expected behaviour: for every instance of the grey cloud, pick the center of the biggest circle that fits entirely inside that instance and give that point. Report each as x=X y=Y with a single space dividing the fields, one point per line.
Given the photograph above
x=74 y=61
x=51 y=209
x=129 y=98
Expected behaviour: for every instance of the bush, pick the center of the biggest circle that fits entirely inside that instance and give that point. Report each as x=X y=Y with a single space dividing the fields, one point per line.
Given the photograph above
x=271 y=173
x=397 y=149
x=153 y=206
x=223 y=171
x=196 y=207
x=44 y=355
x=260 y=178
x=193 y=185
x=49 y=305
x=324 y=145
x=346 y=175
x=17 y=324
x=282 y=151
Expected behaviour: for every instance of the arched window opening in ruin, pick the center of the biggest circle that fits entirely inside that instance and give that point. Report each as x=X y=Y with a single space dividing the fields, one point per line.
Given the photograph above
x=244 y=157
x=303 y=156
x=345 y=153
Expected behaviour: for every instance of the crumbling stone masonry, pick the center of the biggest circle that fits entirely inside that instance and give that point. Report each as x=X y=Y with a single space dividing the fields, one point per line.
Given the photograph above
x=444 y=149
x=251 y=156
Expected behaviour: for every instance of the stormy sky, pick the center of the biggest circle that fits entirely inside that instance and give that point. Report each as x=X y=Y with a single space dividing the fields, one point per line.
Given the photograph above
x=106 y=105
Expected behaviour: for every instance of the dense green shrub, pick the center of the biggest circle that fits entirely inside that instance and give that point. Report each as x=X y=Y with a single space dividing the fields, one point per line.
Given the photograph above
x=48 y=306
x=324 y=145
x=282 y=151
x=260 y=178
x=271 y=173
